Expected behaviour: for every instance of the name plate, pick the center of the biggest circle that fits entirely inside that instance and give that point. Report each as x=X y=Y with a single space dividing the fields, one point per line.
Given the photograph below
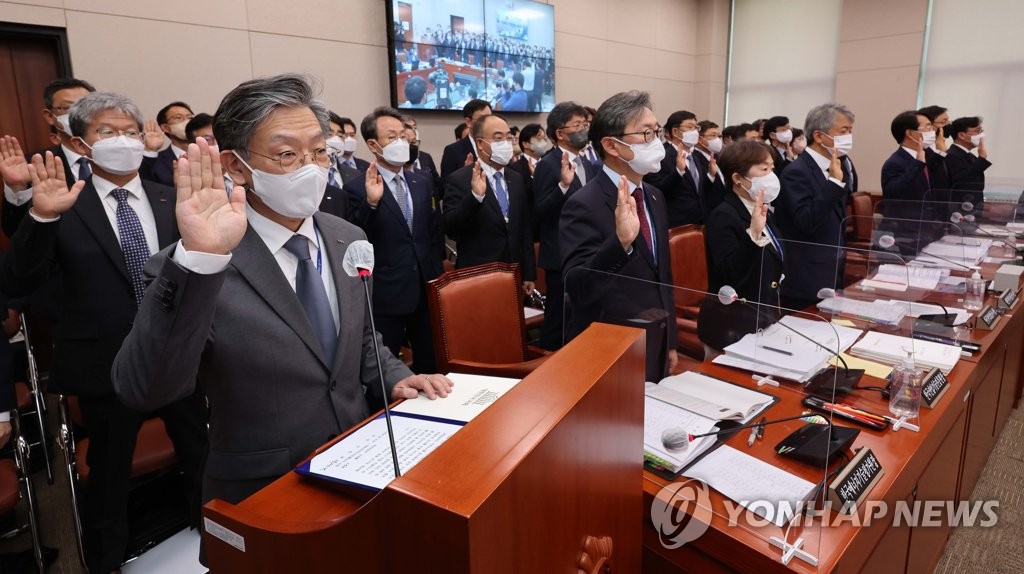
x=988 y=318
x=855 y=481
x=933 y=387
x=1007 y=299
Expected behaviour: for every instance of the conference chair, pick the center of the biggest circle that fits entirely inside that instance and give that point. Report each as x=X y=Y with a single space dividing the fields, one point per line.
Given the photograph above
x=38 y=351
x=154 y=453
x=15 y=481
x=858 y=228
x=689 y=271
x=478 y=323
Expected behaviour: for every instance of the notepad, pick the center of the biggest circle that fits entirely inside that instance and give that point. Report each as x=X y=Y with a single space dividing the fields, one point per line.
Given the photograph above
x=891 y=349
x=764 y=489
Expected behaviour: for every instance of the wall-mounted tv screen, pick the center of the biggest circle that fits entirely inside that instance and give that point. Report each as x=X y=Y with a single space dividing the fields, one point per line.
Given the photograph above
x=447 y=52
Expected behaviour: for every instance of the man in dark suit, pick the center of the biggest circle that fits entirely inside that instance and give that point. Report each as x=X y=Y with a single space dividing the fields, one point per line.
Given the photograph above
x=779 y=135
x=485 y=207
x=58 y=97
x=463 y=151
x=98 y=235
x=559 y=174
x=614 y=234
x=709 y=145
x=905 y=175
x=395 y=208
x=419 y=160
x=244 y=268
x=967 y=171
x=345 y=129
x=158 y=164
x=811 y=208
x=678 y=177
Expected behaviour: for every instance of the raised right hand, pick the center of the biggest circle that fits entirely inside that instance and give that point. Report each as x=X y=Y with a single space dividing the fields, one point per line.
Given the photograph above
x=627 y=223
x=13 y=165
x=469 y=159
x=50 y=194
x=681 y=164
x=153 y=136
x=374 y=185
x=759 y=217
x=208 y=220
x=568 y=170
x=478 y=184
x=835 y=167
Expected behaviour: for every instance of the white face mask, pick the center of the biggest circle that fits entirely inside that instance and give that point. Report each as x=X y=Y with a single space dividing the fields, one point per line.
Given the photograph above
x=690 y=137
x=350 y=145
x=646 y=157
x=64 y=123
x=540 y=147
x=843 y=143
x=396 y=152
x=501 y=152
x=178 y=130
x=767 y=183
x=976 y=139
x=296 y=194
x=715 y=145
x=784 y=137
x=120 y=156
x=335 y=145
x=927 y=139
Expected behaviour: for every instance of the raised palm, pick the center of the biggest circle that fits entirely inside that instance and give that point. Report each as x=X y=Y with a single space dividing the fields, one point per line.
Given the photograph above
x=210 y=221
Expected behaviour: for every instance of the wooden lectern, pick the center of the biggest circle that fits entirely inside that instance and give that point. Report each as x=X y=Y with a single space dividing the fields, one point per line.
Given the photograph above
x=549 y=479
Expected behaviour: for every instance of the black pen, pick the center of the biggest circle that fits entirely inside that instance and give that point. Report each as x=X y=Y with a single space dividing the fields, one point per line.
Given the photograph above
x=784 y=352
x=760 y=427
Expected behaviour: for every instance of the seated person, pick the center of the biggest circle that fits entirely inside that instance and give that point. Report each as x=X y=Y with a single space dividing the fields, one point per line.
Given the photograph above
x=743 y=246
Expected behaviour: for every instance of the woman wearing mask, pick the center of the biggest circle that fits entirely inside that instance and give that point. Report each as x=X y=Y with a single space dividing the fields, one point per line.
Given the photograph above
x=744 y=248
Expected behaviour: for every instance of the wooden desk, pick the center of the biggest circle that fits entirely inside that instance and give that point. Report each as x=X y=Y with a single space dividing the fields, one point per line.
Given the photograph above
x=942 y=462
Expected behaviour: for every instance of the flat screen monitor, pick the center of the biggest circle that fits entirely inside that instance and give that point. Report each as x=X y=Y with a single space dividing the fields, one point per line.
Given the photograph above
x=444 y=53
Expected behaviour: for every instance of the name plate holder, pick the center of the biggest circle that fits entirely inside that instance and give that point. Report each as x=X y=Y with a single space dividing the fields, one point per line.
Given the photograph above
x=1007 y=299
x=988 y=318
x=933 y=387
x=855 y=481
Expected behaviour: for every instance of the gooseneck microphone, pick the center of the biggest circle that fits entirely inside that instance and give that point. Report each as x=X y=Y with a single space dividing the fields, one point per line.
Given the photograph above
x=358 y=262
x=676 y=439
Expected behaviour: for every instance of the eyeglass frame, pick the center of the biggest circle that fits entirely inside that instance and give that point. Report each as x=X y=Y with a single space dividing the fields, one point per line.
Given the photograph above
x=655 y=134
x=301 y=158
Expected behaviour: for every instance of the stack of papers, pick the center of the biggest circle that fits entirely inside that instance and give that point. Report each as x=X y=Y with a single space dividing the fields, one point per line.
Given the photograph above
x=893 y=277
x=918 y=309
x=694 y=403
x=953 y=255
x=878 y=311
x=892 y=349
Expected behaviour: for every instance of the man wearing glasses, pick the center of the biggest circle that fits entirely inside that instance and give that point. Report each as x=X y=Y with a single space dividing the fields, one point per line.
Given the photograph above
x=171 y=120
x=486 y=210
x=254 y=301
x=678 y=176
x=614 y=234
x=98 y=236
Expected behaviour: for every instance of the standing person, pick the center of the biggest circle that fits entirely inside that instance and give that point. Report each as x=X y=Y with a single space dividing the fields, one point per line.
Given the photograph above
x=158 y=164
x=463 y=151
x=678 y=177
x=967 y=171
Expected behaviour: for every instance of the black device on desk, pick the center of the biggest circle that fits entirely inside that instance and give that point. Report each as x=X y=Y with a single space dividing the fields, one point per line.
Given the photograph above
x=817 y=444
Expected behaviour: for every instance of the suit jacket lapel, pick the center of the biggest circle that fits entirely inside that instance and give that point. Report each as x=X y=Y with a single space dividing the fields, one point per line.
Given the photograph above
x=163 y=213
x=257 y=265
x=89 y=208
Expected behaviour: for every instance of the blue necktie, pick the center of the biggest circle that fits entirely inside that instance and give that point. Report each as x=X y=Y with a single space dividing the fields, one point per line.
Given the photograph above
x=84 y=171
x=501 y=193
x=313 y=296
x=133 y=242
x=332 y=176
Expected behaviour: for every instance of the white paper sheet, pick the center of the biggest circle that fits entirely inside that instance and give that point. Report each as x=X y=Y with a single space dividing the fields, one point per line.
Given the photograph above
x=470 y=395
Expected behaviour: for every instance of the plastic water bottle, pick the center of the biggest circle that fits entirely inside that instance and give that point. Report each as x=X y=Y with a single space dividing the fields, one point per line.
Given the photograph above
x=1011 y=245
x=974 y=296
x=905 y=394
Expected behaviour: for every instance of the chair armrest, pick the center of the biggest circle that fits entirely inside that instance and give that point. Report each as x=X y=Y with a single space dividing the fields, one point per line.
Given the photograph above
x=512 y=370
x=533 y=352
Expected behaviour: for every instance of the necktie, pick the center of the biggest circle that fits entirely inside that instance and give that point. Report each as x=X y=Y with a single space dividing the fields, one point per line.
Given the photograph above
x=402 y=197
x=581 y=170
x=641 y=213
x=332 y=176
x=927 y=177
x=313 y=296
x=591 y=155
x=692 y=163
x=848 y=172
x=351 y=162
x=501 y=194
x=133 y=242
x=84 y=171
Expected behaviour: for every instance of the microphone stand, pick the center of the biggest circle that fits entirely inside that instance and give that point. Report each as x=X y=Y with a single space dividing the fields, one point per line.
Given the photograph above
x=364 y=275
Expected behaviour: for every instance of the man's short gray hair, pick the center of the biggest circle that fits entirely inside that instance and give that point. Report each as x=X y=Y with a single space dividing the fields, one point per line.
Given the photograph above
x=821 y=118
x=615 y=114
x=247 y=106
x=92 y=104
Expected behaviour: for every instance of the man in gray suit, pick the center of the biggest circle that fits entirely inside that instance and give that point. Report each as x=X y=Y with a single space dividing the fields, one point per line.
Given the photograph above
x=253 y=301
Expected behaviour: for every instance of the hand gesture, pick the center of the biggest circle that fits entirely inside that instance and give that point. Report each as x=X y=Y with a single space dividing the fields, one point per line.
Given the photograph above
x=469 y=160
x=835 y=167
x=982 y=152
x=478 y=184
x=50 y=194
x=13 y=167
x=568 y=170
x=208 y=220
x=433 y=386
x=374 y=185
x=681 y=164
x=528 y=287
x=152 y=135
x=713 y=167
x=627 y=223
x=759 y=217
x=940 y=139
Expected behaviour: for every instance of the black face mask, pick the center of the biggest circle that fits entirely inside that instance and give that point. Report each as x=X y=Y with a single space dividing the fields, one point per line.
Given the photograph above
x=414 y=152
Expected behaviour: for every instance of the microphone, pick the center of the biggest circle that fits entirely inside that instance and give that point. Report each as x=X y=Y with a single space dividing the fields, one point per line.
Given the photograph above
x=957 y=218
x=358 y=262
x=727 y=295
x=676 y=439
x=887 y=241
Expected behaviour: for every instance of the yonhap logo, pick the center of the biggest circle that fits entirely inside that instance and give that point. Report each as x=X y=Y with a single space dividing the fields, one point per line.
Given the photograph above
x=681 y=513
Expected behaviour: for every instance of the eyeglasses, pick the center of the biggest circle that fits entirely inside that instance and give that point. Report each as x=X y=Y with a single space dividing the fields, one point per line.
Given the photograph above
x=210 y=140
x=576 y=125
x=177 y=118
x=290 y=160
x=60 y=110
x=107 y=133
x=649 y=134
x=500 y=138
